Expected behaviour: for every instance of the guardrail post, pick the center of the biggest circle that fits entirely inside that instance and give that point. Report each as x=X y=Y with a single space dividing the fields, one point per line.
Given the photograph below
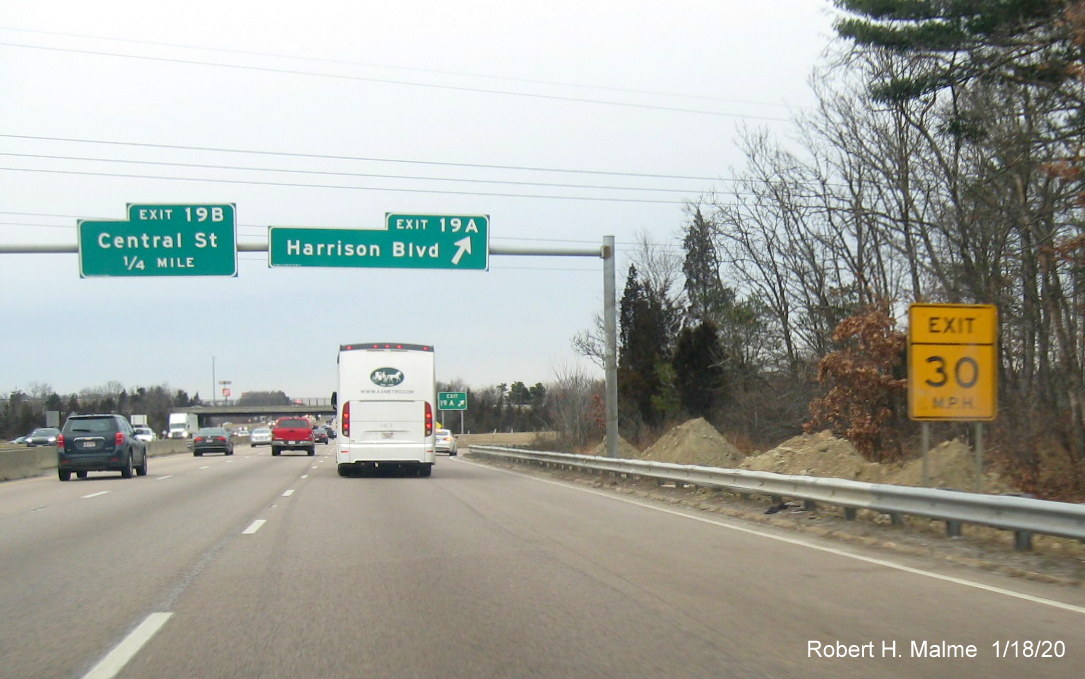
x=809 y=505
x=953 y=529
x=896 y=519
x=850 y=513
x=1022 y=541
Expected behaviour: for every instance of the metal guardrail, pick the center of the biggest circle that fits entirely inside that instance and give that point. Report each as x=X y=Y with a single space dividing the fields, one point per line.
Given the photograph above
x=1024 y=516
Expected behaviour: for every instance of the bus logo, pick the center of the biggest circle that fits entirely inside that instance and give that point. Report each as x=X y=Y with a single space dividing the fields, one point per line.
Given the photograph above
x=386 y=377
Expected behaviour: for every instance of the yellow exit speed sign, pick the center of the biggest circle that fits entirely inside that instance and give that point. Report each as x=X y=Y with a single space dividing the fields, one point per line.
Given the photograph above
x=952 y=362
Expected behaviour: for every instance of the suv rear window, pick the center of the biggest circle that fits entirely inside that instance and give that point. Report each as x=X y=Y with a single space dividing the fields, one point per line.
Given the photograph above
x=90 y=425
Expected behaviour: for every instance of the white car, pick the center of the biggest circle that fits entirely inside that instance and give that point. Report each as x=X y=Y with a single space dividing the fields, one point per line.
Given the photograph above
x=145 y=434
x=446 y=442
x=260 y=436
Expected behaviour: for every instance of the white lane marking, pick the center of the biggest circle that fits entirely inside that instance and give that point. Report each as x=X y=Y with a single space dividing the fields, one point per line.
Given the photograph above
x=288 y=493
x=802 y=543
x=163 y=478
x=254 y=526
x=304 y=476
x=206 y=466
x=114 y=662
x=104 y=492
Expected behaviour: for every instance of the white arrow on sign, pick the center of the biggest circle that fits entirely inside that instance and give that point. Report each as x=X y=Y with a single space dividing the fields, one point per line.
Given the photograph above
x=464 y=245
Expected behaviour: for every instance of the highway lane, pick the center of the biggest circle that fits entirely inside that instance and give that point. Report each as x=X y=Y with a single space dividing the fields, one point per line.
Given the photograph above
x=81 y=561
x=476 y=572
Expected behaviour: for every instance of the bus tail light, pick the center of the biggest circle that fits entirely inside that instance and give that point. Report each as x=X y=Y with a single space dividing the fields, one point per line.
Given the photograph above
x=429 y=419
x=344 y=423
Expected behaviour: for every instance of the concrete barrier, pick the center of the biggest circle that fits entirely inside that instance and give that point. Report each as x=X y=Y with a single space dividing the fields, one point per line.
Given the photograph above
x=20 y=462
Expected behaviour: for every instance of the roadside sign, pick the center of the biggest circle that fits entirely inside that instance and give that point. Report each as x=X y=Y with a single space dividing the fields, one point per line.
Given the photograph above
x=161 y=240
x=407 y=242
x=952 y=362
x=452 y=400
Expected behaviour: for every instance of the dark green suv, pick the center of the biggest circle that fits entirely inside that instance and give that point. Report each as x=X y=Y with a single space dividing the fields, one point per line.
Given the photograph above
x=97 y=443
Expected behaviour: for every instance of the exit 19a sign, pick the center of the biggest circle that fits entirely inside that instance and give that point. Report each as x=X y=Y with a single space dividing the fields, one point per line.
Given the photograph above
x=407 y=242
x=161 y=240
x=452 y=400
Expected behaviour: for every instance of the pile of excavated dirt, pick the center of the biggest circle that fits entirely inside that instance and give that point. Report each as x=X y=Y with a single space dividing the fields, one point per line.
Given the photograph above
x=949 y=465
x=626 y=450
x=819 y=454
x=695 y=442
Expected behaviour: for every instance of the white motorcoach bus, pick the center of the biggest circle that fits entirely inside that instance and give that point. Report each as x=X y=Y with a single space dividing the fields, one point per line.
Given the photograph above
x=386 y=402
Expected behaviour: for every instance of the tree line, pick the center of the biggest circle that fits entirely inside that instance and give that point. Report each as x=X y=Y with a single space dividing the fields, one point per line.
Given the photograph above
x=943 y=164
x=25 y=410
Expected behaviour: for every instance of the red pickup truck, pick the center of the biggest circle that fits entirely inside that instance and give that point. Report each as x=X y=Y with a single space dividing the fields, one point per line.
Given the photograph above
x=292 y=433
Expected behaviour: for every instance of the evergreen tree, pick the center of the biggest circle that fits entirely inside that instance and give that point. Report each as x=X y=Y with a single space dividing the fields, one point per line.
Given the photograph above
x=647 y=325
x=705 y=291
x=960 y=41
x=698 y=369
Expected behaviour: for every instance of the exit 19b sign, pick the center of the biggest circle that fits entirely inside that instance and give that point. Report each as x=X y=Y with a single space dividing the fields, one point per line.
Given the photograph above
x=952 y=362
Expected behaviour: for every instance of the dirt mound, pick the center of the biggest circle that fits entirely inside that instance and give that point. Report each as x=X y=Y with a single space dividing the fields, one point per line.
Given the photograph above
x=626 y=450
x=819 y=454
x=950 y=465
x=695 y=442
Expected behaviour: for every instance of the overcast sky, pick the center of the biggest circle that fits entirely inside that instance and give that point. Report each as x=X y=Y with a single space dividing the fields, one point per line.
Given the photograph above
x=330 y=113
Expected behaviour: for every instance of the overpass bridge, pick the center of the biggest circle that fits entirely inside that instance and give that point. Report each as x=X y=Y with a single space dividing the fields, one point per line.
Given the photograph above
x=224 y=410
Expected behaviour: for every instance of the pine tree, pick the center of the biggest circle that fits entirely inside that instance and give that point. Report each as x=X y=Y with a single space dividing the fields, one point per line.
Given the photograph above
x=647 y=325
x=701 y=267
x=698 y=368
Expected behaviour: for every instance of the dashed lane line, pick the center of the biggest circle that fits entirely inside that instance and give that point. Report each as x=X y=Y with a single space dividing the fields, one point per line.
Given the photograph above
x=115 y=660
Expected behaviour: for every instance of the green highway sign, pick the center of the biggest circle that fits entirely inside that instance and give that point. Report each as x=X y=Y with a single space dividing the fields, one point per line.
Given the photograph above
x=161 y=240
x=452 y=400
x=406 y=242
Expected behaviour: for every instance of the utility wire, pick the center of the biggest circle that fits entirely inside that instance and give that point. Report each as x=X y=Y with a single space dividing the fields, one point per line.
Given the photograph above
x=352 y=188
x=346 y=174
x=534 y=81
x=358 y=158
x=389 y=81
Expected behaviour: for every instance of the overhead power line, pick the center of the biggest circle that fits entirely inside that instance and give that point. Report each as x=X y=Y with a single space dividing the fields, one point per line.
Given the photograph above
x=335 y=186
x=390 y=81
x=323 y=156
x=370 y=175
x=409 y=69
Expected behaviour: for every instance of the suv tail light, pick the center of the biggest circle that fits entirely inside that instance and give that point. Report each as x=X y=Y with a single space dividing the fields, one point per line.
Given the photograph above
x=429 y=419
x=118 y=438
x=60 y=441
x=345 y=419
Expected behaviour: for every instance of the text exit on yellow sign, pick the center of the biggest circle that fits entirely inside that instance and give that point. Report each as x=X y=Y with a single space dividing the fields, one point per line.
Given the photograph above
x=952 y=362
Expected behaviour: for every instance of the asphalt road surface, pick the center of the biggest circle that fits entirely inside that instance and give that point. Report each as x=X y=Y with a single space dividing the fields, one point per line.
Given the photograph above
x=254 y=566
